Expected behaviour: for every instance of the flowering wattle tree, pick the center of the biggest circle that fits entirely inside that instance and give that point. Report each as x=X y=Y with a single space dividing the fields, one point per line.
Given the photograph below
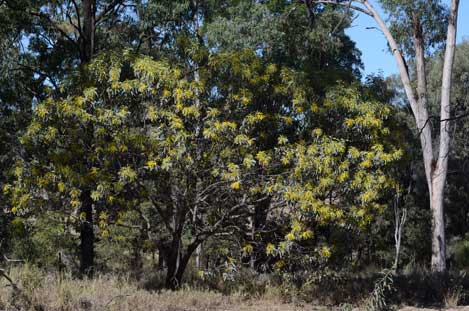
x=200 y=153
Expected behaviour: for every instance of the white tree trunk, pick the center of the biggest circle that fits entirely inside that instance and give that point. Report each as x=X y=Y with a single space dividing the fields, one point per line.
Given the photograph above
x=438 y=262
x=441 y=168
x=435 y=172
x=400 y=217
x=435 y=169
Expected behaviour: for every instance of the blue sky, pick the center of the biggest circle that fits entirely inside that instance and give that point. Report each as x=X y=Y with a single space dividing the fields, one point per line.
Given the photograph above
x=371 y=42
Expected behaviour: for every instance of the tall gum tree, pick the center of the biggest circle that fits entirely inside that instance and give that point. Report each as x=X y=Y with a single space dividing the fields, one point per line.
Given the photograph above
x=414 y=15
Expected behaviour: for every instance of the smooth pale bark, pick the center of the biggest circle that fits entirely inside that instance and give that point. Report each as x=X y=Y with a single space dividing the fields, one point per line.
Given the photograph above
x=400 y=217
x=435 y=169
x=420 y=111
x=441 y=168
x=435 y=173
x=425 y=126
x=252 y=257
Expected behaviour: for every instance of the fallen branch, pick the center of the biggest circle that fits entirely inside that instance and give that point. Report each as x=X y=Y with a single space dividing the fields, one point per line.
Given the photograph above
x=12 y=260
x=18 y=291
x=12 y=284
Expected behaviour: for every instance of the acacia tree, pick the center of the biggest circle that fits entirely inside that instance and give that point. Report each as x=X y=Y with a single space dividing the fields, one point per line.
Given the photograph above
x=275 y=30
x=130 y=136
x=338 y=179
x=415 y=20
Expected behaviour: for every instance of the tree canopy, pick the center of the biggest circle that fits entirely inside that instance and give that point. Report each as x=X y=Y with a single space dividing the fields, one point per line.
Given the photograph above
x=223 y=135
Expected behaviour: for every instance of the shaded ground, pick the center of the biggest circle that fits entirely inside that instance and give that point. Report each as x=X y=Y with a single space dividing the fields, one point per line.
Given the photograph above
x=44 y=292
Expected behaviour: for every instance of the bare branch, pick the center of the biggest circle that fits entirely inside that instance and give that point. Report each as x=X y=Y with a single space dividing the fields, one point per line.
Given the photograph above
x=5 y=275
x=343 y=17
x=12 y=260
x=106 y=10
x=54 y=24
x=346 y=4
x=77 y=12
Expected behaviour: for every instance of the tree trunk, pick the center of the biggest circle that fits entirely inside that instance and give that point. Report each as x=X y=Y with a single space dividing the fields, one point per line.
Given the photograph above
x=87 y=38
x=400 y=216
x=252 y=257
x=436 y=180
x=182 y=267
x=86 y=230
x=87 y=236
x=421 y=114
x=198 y=257
x=163 y=254
x=441 y=169
x=198 y=134
x=136 y=262
x=259 y=221
x=172 y=264
x=435 y=170
x=438 y=263
x=177 y=263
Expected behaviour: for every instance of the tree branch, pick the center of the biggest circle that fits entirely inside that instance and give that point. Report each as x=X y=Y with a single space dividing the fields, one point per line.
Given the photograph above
x=461 y=116
x=13 y=284
x=77 y=11
x=346 y=4
x=54 y=24
x=106 y=10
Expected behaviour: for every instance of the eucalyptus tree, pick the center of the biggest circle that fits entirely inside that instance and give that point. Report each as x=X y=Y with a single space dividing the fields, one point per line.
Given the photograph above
x=415 y=27
x=457 y=215
x=456 y=189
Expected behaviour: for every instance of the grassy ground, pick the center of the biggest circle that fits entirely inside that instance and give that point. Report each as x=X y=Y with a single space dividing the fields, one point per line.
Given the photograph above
x=40 y=292
x=105 y=293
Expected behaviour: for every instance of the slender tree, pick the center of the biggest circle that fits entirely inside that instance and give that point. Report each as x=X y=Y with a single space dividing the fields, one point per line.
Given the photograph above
x=415 y=19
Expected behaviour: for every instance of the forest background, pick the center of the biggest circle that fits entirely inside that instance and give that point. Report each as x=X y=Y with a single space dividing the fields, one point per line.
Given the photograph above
x=236 y=146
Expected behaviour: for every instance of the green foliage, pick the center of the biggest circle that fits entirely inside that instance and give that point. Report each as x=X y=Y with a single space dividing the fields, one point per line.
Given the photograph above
x=407 y=16
x=337 y=178
x=265 y=148
x=138 y=124
x=278 y=30
x=41 y=241
x=460 y=251
x=378 y=299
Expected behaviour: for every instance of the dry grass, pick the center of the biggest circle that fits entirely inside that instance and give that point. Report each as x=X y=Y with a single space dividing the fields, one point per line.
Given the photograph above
x=453 y=297
x=44 y=292
x=49 y=292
